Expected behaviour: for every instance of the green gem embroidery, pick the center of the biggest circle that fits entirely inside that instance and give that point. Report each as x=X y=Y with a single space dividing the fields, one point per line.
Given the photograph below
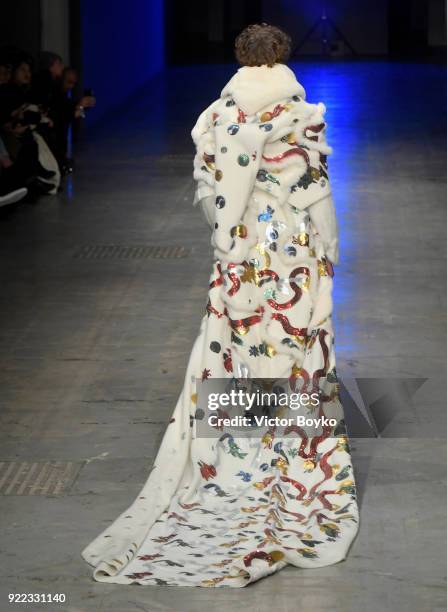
x=243 y=159
x=270 y=294
x=272 y=178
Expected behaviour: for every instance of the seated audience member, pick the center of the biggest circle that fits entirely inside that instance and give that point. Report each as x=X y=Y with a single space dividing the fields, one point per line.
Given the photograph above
x=16 y=91
x=54 y=91
x=10 y=189
x=69 y=82
x=36 y=112
x=5 y=71
x=47 y=81
x=66 y=109
x=20 y=122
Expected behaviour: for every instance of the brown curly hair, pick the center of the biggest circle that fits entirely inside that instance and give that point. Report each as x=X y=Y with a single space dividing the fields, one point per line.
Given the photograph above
x=261 y=43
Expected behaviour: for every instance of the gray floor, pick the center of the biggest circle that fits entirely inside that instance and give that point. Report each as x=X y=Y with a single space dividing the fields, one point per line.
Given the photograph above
x=93 y=351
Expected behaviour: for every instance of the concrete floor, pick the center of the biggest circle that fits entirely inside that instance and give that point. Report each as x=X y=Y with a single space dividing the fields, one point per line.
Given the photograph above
x=93 y=351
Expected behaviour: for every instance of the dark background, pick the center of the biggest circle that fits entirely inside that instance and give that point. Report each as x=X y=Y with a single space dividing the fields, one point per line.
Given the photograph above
x=119 y=46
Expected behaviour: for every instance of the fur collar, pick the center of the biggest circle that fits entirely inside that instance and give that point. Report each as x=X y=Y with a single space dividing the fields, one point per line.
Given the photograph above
x=255 y=87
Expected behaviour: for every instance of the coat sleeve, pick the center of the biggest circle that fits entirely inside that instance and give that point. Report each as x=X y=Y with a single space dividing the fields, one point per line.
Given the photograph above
x=313 y=190
x=323 y=218
x=310 y=134
x=204 y=160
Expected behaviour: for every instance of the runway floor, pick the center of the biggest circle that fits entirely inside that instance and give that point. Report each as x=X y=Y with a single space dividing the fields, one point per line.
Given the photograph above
x=94 y=341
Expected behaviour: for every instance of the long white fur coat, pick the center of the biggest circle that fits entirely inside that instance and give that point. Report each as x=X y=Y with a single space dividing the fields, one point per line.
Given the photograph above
x=227 y=510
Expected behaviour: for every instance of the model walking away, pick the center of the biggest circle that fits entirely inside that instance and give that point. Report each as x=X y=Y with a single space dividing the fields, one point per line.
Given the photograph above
x=226 y=511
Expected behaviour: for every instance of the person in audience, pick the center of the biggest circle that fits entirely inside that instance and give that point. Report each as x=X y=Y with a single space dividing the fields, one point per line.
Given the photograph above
x=52 y=88
x=11 y=190
x=16 y=91
x=36 y=111
x=65 y=109
x=21 y=121
x=47 y=81
x=69 y=82
x=5 y=72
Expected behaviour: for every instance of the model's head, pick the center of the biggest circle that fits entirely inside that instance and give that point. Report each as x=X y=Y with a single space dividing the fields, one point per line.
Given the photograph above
x=260 y=44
